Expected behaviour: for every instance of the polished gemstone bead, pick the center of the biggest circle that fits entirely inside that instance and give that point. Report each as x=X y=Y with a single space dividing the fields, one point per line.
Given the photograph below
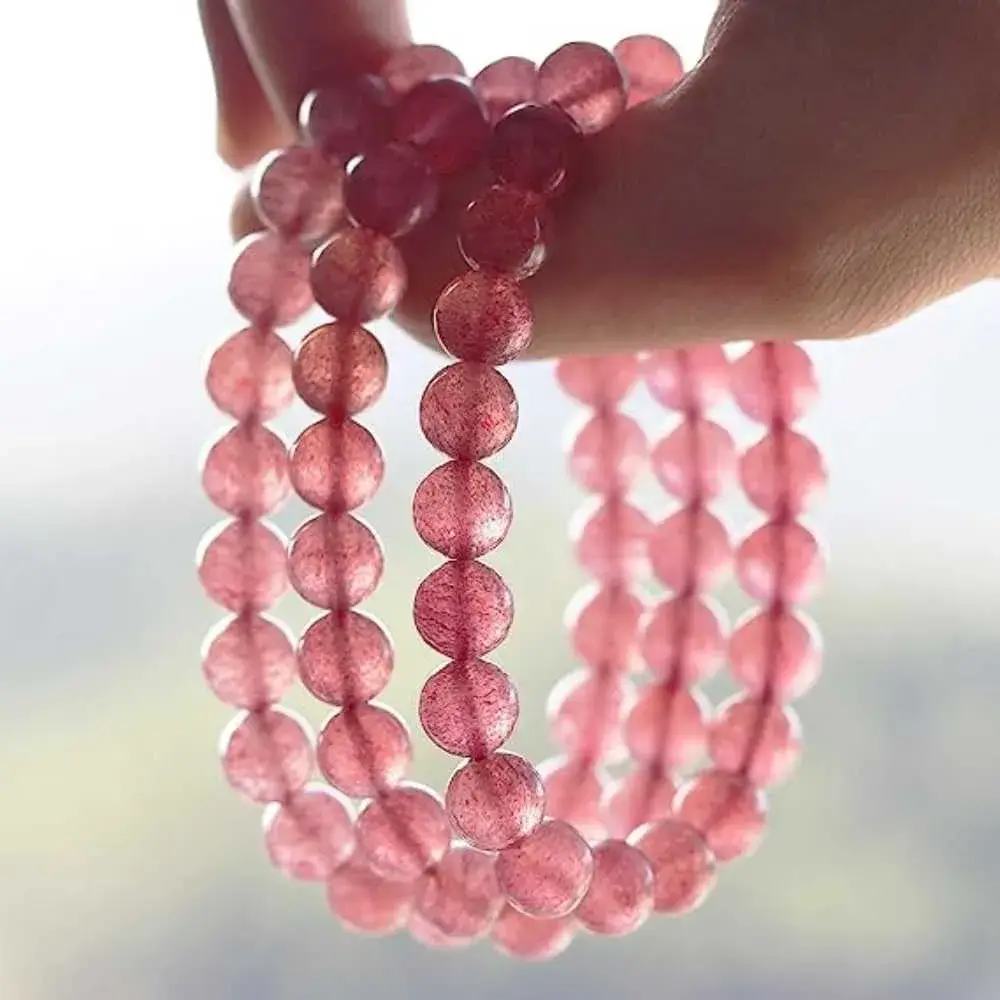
x=667 y=726
x=242 y=565
x=608 y=453
x=505 y=229
x=359 y=275
x=690 y=379
x=620 y=897
x=391 y=190
x=774 y=382
x=611 y=540
x=246 y=471
x=780 y=561
x=685 y=639
x=530 y=938
x=535 y=147
x=598 y=381
x=574 y=789
x=413 y=64
x=424 y=932
x=335 y=562
x=250 y=375
x=643 y=795
x=299 y=193
x=336 y=466
x=506 y=83
x=267 y=755
x=366 y=903
x=347 y=118
x=761 y=739
x=364 y=749
x=696 y=462
x=345 y=657
x=586 y=81
x=651 y=65
x=340 y=370
x=269 y=280
x=604 y=627
x=690 y=550
x=683 y=865
x=461 y=897
x=311 y=835
x=726 y=809
x=777 y=651
x=585 y=711
x=783 y=474
x=248 y=661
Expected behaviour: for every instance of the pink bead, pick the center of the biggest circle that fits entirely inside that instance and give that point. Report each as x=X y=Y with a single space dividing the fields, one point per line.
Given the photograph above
x=366 y=903
x=444 y=121
x=347 y=118
x=776 y=651
x=651 y=66
x=403 y=832
x=250 y=375
x=340 y=370
x=774 y=382
x=462 y=896
x=585 y=712
x=495 y=800
x=505 y=229
x=620 y=897
x=311 y=835
x=336 y=466
x=241 y=565
x=683 y=865
x=364 y=749
x=468 y=411
x=696 y=462
x=643 y=795
x=335 y=562
x=689 y=380
x=604 y=627
x=667 y=726
x=299 y=193
x=249 y=662
x=548 y=872
x=345 y=658
x=462 y=510
x=411 y=65
x=761 y=739
x=685 y=640
x=391 y=190
x=469 y=709
x=609 y=453
x=573 y=792
x=532 y=939
x=359 y=275
x=269 y=280
x=598 y=381
x=726 y=810
x=246 y=471
x=424 y=932
x=506 y=83
x=267 y=755
x=611 y=541
x=485 y=317
x=690 y=550
x=586 y=81
x=463 y=609
x=783 y=474
x=780 y=562
x=535 y=147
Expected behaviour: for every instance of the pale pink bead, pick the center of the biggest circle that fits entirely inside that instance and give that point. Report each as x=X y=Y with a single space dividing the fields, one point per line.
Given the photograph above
x=310 y=835
x=598 y=381
x=683 y=865
x=347 y=118
x=604 y=627
x=761 y=739
x=336 y=466
x=411 y=65
x=462 y=510
x=505 y=229
x=359 y=275
x=573 y=792
x=506 y=83
x=643 y=795
x=340 y=370
x=685 y=639
x=463 y=609
x=696 y=462
x=366 y=903
x=267 y=755
x=667 y=726
x=780 y=561
x=424 y=932
x=248 y=661
x=608 y=453
x=535 y=147
x=611 y=540
x=530 y=938
x=364 y=749
x=402 y=832
x=726 y=809
x=620 y=897
x=469 y=709
x=299 y=193
x=391 y=190
x=651 y=66
x=585 y=712
x=777 y=651
x=250 y=375
x=461 y=897
x=242 y=565
x=468 y=411
x=269 y=280
x=495 y=800
x=774 y=382
x=483 y=316
x=246 y=471
x=690 y=379
x=586 y=81
x=335 y=561
x=783 y=474
x=345 y=657
x=690 y=550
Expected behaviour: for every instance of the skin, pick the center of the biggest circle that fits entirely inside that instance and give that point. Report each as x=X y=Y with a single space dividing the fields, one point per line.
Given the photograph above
x=828 y=168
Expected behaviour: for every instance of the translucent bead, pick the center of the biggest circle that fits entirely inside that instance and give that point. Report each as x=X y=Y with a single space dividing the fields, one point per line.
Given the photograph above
x=241 y=565
x=696 y=462
x=608 y=453
x=783 y=473
x=495 y=800
x=246 y=471
x=506 y=83
x=335 y=562
x=403 y=832
x=359 y=275
x=345 y=658
x=585 y=712
x=774 y=382
x=426 y=933
x=411 y=65
x=726 y=810
x=469 y=709
x=391 y=190
x=364 y=749
x=620 y=897
x=269 y=280
x=248 y=661
x=463 y=610
x=462 y=896
x=485 y=317
x=505 y=229
x=689 y=380
x=761 y=739
x=267 y=755
x=780 y=562
x=532 y=939
x=685 y=640
x=311 y=835
x=683 y=865
x=366 y=903
x=586 y=81
x=347 y=118
x=468 y=411
x=336 y=466
x=535 y=147
x=690 y=550
x=667 y=726
x=444 y=121
x=775 y=650
x=611 y=541
x=601 y=382
x=643 y=795
x=651 y=66
x=250 y=375
x=299 y=193
x=340 y=370
x=604 y=627
x=573 y=792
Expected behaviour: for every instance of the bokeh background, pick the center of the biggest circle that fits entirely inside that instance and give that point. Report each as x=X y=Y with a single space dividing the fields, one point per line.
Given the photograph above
x=129 y=872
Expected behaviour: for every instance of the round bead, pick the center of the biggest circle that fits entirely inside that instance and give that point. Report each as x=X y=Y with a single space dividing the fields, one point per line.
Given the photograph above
x=366 y=903
x=620 y=897
x=249 y=662
x=299 y=193
x=726 y=810
x=424 y=932
x=690 y=550
x=311 y=835
x=696 y=462
x=358 y=275
x=347 y=118
x=585 y=711
x=690 y=379
x=776 y=651
x=391 y=191
x=586 y=81
x=760 y=739
x=246 y=471
x=506 y=83
x=684 y=640
x=604 y=627
x=573 y=792
x=411 y=65
x=643 y=795
x=600 y=382
x=534 y=148
x=345 y=658
x=530 y=938
x=340 y=370
x=780 y=562
x=269 y=280
x=608 y=453
x=241 y=565
x=667 y=726
x=783 y=474
x=267 y=755
x=774 y=382
x=250 y=375
x=505 y=229
x=683 y=865
x=611 y=541
x=495 y=800
x=462 y=896
x=364 y=749
x=336 y=466
x=651 y=66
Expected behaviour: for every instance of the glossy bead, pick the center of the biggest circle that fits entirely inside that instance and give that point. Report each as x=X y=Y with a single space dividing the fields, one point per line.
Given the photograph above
x=777 y=651
x=461 y=897
x=608 y=453
x=413 y=64
x=311 y=835
x=495 y=800
x=667 y=726
x=585 y=712
x=485 y=317
x=463 y=609
x=468 y=411
x=469 y=709
x=391 y=191
x=574 y=789
x=783 y=474
x=246 y=471
x=586 y=81
x=267 y=755
x=691 y=379
x=242 y=565
x=336 y=466
x=598 y=381
x=366 y=903
x=269 y=280
x=505 y=229
x=726 y=810
x=620 y=897
x=364 y=749
x=604 y=627
x=611 y=541
x=534 y=147
x=530 y=938
x=696 y=462
x=424 y=932
x=299 y=193
x=683 y=865
x=359 y=275
x=250 y=375
x=506 y=83
x=340 y=370
x=684 y=640
x=690 y=550
x=773 y=382
x=248 y=661
x=651 y=66
x=347 y=118
x=345 y=658
x=643 y=795
x=403 y=832
x=335 y=562
x=780 y=562
x=761 y=739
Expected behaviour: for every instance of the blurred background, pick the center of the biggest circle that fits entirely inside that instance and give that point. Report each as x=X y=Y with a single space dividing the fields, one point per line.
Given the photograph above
x=130 y=872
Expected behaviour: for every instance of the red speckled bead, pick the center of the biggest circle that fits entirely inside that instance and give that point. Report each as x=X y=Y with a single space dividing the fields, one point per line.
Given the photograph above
x=780 y=562
x=726 y=810
x=269 y=280
x=403 y=832
x=463 y=609
x=336 y=466
x=347 y=118
x=248 y=661
x=505 y=229
x=530 y=938
x=250 y=375
x=585 y=711
x=683 y=865
x=611 y=540
x=311 y=835
x=775 y=650
x=391 y=190
x=599 y=382
x=366 y=903
x=685 y=639
x=506 y=83
x=469 y=709
x=696 y=461
x=267 y=755
x=299 y=193
x=364 y=749
x=574 y=789
x=651 y=65
x=783 y=474
x=242 y=565
x=667 y=726
x=358 y=275
x=690 y=379
x=604 y=627
x=335 y=562
x=534 y=147
x=345 y=657
x=620 y=897
x=761 y=739
x=468 y=411
x=411 y=65
x=608 y=453
x=340 y=370
x=485 y=317
x=690 y=549
x=643 y=795
x=774 y=382
x=496 y=800
x=246 y=471
x=462 y=896
x=586 y=81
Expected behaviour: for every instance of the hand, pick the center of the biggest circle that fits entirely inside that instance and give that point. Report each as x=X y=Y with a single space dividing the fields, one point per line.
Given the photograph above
x=829 y=167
